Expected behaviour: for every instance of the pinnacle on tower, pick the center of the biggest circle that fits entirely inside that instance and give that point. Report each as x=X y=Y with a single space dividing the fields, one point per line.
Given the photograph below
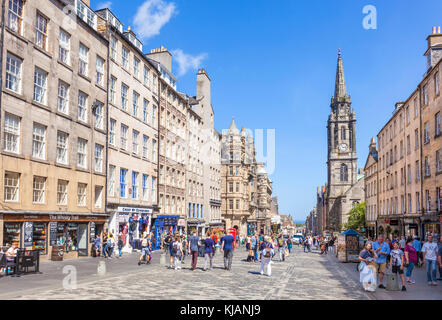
x=340 y=89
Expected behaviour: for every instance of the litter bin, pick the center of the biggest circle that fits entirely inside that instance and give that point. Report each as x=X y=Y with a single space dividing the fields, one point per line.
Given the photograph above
x=392 y=281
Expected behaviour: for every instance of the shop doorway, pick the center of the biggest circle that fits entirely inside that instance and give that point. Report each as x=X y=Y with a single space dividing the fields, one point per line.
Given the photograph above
x=82 y=240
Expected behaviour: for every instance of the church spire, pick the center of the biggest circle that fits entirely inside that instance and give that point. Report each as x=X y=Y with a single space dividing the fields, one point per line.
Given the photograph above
x=340 y=89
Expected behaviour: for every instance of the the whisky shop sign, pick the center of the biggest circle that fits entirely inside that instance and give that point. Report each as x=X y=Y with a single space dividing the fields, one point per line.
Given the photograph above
x=57 y=217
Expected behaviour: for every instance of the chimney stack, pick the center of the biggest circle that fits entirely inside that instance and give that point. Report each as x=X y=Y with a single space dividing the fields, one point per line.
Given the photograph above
x=434 y=51
x=161 y=55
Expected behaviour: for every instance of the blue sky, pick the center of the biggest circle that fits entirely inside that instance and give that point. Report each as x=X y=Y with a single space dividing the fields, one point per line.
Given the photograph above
x=273 y=64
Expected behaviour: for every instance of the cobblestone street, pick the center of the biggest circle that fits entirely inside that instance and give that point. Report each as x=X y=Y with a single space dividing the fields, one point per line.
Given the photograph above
x=302 y=276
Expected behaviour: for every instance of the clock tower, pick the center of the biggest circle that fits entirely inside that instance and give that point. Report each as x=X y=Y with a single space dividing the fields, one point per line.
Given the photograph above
x=341 y=132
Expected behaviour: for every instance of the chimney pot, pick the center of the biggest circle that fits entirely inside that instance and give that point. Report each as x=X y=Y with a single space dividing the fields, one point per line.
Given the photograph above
x=434 y=30
x=128 y=28
x=438 y=30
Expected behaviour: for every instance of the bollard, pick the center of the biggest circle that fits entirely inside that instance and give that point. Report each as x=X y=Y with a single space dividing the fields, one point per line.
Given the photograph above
x=101 y=269
x=163 y=259
x=392 y=282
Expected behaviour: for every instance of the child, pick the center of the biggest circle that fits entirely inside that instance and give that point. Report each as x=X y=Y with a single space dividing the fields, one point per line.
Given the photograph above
x=397 y=262
x=177 y=249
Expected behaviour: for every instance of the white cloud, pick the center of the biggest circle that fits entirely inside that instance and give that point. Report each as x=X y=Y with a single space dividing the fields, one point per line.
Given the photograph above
x=186 y=61
x=151 y=16
x=104 y=5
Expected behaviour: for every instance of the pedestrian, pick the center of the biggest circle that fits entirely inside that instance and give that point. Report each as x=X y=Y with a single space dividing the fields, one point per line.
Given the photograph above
x=168 y=241
x=281 y=248
x=310 y=243
x=382 y=250
x=177 y=250
x=120 y=246
x=367 y=268
x=110 y=245
x=305 y=243
x=267 y=254
x=410 y=259
x=402 y=243
x=418 y=246
x=397 y=262
x=209 y=249
x=289 y=245
x=146 y=248
x=104 y=248
x=439 y=258
x=228 y=246
x=430 y=256
x=97 y=245
x=332 y=243
x=193 y=244
x=185 y=248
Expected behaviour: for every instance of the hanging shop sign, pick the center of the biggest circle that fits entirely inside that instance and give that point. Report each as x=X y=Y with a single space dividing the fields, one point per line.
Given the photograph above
x=394 y=222
x=28 y=233
x=181 y=223
x=92 y=231
x=134 y=210
x=18 y=217
x=170 y=221
x=53 y=233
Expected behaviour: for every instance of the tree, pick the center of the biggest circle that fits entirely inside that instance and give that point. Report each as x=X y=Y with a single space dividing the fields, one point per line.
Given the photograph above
x=356 y=218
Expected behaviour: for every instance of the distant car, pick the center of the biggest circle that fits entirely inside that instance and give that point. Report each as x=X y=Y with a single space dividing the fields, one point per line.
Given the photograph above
x=297 y=239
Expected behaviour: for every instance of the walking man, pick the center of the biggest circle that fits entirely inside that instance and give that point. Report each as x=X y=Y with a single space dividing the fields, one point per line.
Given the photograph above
x=168 y=241
x=227 y=246
x=281 y=248
x=417 y=245
x=194 y=245
x=382 y=250
x=429 y=250
x=254 y=244
x=209 y=250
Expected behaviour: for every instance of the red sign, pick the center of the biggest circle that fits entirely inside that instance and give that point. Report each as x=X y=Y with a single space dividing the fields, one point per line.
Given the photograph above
x=233 y=233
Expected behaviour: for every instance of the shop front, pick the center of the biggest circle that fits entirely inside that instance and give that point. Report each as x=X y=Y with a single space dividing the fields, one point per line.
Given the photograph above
x=430 y=225
x=72 y=234
x=130 y=223
x=411 y=226
x=251 y=228
x=161 y=226
x=196 y=225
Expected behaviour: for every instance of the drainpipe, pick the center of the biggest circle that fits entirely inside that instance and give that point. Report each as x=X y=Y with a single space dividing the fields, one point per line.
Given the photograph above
x=421 y=159
x=107 y=121
x=2 y=40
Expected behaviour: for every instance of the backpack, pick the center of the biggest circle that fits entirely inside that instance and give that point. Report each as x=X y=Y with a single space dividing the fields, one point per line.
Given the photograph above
x=267 y=252
x=110 y=243
x=175 y=247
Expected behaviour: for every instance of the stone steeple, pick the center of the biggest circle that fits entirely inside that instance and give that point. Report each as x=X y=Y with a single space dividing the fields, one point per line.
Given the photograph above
x=233 y=129
x=340 y=88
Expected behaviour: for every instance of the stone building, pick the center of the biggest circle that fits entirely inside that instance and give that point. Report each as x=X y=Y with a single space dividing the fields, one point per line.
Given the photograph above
x=345 y=187
x=371 y=189
x=238 y=177
x=267 y=206
x=132 y=132
x=195 y=174
x=210 y=151
x=409 y=156
x=53 y=126
x=172 y=148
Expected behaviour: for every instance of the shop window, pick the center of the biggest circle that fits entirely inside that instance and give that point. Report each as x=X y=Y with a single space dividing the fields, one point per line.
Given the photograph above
x=11 y=232
x=71 y=237
x=39 y=239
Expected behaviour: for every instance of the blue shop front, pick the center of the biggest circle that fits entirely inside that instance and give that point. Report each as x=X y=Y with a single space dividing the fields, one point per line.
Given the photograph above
x=161 y=226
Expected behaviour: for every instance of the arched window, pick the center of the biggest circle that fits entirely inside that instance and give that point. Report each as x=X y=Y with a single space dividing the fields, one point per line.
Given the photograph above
x=344 y=173
x=343 y=133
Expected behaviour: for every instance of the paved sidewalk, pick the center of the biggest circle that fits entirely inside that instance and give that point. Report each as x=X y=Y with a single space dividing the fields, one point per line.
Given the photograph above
x=300 y=277
x=52 y=273
x=418 y=291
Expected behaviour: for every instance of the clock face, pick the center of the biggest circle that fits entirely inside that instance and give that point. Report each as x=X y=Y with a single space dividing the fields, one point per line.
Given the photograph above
x=343 y=147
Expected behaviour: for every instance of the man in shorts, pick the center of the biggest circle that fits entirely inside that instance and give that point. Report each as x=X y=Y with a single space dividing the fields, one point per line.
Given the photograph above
x=382 y=250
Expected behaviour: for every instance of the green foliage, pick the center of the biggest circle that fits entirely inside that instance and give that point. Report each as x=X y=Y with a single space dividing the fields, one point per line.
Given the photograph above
x=356 y=218
x=300 y=225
